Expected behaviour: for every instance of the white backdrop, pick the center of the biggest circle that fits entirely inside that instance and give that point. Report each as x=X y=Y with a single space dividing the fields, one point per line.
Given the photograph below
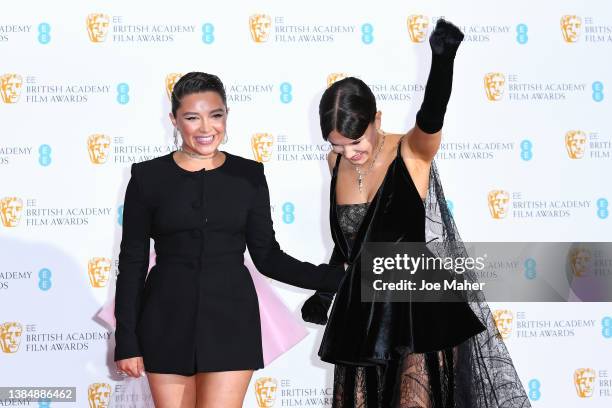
x=539 y=131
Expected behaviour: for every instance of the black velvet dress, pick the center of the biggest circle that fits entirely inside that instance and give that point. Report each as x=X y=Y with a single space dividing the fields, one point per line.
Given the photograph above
x=408 y=355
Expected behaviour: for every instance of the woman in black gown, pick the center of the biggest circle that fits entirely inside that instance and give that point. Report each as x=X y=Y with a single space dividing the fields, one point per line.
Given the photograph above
x=193 y=326
x=385 y=188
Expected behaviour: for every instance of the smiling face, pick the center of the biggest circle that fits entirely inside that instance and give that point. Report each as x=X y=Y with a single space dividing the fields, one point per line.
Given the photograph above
x=357 y=151
x=201 y=120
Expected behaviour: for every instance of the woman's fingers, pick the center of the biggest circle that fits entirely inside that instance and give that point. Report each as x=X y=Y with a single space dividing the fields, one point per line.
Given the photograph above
x=140 y=366
x=131 y=366
x=445 y=38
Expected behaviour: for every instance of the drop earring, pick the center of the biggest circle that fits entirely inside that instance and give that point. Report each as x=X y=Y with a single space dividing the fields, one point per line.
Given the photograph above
x=176 y=133
x=224 y=141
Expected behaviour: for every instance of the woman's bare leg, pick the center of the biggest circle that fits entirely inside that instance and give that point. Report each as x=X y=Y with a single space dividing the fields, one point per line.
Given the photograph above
x=224 y=389
x=172 y=391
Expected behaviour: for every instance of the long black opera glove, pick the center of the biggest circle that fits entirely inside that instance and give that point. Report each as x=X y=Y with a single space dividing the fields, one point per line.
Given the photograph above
x=444 y=42
x=316 y=307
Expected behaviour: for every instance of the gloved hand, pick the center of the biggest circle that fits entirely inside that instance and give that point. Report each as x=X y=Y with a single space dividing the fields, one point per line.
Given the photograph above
x=444 y=41
x=316 y=307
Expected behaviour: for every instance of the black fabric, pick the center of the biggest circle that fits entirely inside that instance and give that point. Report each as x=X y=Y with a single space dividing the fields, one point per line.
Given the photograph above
x=315 y=308
x=444 y=42
x=369 y=332
x=197 y=309
x=407 y=355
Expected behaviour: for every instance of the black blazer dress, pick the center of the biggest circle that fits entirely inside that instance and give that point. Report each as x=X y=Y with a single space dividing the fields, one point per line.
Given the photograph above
x=197 y=310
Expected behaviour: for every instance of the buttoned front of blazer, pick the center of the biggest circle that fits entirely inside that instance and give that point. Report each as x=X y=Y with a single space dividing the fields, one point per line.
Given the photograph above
x=197 y=309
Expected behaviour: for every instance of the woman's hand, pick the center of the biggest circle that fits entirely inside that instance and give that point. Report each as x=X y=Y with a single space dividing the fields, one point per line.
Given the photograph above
x=445 y=39
x=134 y=366
x=316 y=307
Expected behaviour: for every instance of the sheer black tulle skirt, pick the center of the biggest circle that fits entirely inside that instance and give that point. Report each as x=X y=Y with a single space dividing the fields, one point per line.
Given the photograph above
x=416 y=380
x=449 y=378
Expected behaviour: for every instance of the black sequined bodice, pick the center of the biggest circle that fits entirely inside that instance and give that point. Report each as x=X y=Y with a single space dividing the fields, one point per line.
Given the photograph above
x=350 y=217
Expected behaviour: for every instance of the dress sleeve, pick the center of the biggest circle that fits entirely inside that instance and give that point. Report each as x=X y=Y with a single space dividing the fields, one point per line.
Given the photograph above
x=133 y=265
x=270 y=260
x=316 y=307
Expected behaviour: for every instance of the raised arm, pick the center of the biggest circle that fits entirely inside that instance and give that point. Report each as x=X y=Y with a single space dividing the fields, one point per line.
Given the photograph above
x=270 y=260
x=133 y=265
x=424 y=139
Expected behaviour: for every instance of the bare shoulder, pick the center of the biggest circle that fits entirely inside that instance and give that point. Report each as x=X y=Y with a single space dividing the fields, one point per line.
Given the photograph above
x=331 y=160
x=393 y=139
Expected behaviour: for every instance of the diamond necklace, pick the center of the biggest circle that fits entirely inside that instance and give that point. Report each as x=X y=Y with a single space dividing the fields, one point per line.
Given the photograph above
x=361 y=176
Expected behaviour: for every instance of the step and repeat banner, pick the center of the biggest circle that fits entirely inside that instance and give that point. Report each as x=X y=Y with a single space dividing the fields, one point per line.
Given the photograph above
x=525 y=156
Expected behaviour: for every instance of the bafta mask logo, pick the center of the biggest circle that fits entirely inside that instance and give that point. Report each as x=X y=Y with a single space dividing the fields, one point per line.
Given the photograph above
x=417 y=27
x=499 y=203
x=98 y=270
x=575 y=143
x=98 y=146
x=10 y=87
x=335 y=77
x=265 y=392
x=10 y=211
x=171 y=80
x=97 y=27
x=494 y=83
x=584 y=379
x=570 y=27
x=262 y=144
x=503 y=321
x=260 y=27
x=98 y=395
x=10 y=336
x=580 y=261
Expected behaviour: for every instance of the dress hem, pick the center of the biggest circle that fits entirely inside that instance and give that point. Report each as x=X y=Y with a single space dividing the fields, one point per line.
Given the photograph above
x=210 y=370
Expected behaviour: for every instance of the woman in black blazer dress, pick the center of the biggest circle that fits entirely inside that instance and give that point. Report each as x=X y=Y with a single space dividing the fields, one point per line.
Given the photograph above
x=194 y=323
